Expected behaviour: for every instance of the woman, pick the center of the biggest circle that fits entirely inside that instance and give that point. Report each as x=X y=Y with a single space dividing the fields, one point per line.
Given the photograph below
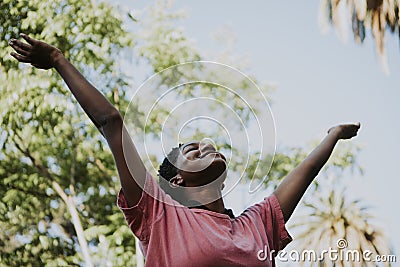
x=201 y=232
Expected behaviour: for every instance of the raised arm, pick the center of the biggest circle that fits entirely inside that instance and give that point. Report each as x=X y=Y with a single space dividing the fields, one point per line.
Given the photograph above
x=102 y=113
x=292 y=188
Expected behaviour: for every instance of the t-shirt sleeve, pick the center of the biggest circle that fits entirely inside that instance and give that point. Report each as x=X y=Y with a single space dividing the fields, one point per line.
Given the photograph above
x=281 y=235
x=150 y=207
x=272 y=219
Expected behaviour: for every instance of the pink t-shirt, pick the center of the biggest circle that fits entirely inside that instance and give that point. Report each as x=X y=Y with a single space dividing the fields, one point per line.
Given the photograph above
x=173 y=235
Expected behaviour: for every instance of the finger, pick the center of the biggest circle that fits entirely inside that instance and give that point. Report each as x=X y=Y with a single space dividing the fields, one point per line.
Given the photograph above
x=357 y=125
x=21 y=44
x=28 y=39
x=20 y=58
x=19 y=49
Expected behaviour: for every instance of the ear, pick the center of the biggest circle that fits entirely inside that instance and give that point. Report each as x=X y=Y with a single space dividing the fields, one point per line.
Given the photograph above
x=176 y=181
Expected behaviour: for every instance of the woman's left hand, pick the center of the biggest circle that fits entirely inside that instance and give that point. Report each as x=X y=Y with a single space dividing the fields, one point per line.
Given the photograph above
x=345 y=131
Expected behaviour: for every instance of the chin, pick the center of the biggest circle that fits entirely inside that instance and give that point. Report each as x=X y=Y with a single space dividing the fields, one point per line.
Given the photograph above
x=216 y=169
x=219 y=163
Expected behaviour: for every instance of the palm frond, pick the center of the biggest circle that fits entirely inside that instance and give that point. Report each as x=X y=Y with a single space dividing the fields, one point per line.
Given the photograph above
x=378 y=15
x=336 y=217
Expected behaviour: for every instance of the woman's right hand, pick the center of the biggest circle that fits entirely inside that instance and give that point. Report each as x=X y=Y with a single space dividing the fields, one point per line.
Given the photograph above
x=39 y=54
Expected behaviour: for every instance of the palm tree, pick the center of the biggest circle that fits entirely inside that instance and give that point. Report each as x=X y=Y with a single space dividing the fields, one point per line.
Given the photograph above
x=379 y=15
x=334 y=222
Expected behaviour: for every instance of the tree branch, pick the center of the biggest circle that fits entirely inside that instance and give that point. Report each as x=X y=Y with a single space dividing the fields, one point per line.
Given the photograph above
x=69 y=201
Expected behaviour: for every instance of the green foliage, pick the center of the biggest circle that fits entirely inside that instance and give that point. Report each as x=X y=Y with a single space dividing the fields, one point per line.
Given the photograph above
x=163 y=46
x=46 y=138
x=47 y=141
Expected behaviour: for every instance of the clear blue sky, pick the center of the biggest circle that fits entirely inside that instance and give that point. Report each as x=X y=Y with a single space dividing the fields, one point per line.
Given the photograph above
x=320 y=82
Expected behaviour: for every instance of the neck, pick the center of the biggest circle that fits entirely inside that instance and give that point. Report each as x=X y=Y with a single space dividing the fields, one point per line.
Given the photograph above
x=217 y=206
x=211 y=198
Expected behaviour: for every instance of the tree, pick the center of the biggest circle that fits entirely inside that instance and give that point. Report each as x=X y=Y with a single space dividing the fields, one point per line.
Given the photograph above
x=334 y=221
x=164 y=47
x=332 y=218
x=343 y=162
x=54 y=162
x=57 y=179
x=57 y=176
x=379 y=15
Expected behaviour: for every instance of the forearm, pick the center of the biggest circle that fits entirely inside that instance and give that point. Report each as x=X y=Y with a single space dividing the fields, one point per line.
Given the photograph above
x=320 y=155
x=293 y=187
x=131 y=169
x=93 y=102
x=44 y=56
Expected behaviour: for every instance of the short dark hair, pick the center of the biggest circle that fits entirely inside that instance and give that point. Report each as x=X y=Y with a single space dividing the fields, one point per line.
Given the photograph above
x=168 y=170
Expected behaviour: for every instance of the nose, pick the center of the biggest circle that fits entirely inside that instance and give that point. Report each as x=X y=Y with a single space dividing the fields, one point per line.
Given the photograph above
x=206 y=147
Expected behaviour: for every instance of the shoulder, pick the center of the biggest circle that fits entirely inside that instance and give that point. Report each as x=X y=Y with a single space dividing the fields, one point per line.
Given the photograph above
x=267 y=215
x=263 y=208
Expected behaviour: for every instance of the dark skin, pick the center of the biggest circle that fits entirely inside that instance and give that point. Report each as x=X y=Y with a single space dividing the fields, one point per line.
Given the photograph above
x=199 y=161
x=202 y=158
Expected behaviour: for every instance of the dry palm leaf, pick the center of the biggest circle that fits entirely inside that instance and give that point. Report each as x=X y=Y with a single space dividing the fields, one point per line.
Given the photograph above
x=378 y=15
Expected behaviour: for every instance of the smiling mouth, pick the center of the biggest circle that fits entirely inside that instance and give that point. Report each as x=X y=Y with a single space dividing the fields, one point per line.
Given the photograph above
x=213 y=152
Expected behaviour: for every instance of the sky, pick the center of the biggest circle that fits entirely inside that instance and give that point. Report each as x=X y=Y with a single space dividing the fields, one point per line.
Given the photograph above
x=320 y=82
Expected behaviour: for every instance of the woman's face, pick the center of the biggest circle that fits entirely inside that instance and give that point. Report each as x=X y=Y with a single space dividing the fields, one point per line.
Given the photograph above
x=200 y=163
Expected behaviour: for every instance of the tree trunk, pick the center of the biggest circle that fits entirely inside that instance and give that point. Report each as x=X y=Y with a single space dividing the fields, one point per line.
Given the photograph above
x=76 y=222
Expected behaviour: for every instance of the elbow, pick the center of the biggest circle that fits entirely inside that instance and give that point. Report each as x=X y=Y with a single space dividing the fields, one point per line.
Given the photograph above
x=111 y=117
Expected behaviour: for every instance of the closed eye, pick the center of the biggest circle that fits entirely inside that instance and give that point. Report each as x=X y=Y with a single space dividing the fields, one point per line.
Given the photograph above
x=191 y=148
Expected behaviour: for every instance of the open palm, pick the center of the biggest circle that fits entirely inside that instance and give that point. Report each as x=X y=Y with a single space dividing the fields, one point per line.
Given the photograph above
x=37 y=53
